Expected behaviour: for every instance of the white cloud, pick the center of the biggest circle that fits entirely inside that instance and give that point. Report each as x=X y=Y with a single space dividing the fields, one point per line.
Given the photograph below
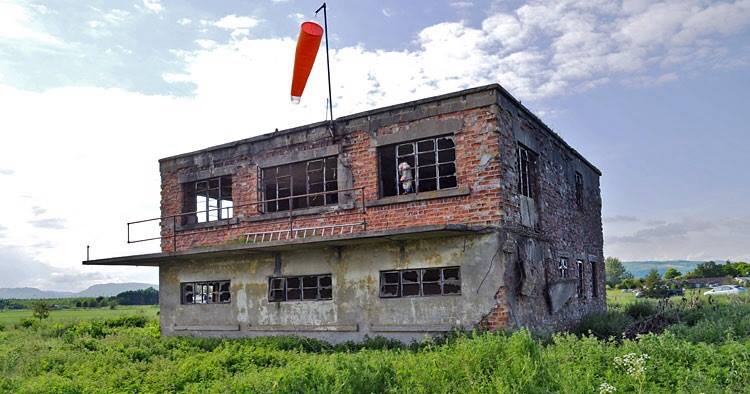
x=17 y=23
x=153 y=6
x=232 y=22
x=184 y=21
x=536 y=51
x=386 y=12
x=462 y=4
x=297 y=17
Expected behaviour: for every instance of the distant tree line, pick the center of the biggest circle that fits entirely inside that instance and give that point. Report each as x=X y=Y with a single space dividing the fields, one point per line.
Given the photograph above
x=148 y=296
x=657 y=285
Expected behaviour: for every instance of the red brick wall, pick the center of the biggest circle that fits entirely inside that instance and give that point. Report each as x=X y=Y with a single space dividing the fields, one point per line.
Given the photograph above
x=477 y=166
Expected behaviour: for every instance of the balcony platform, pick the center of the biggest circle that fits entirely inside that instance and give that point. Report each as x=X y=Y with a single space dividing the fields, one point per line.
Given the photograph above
x=234 y=249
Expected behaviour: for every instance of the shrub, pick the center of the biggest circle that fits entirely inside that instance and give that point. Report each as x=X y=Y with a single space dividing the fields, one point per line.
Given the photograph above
x=640 y=309
x=604 y=325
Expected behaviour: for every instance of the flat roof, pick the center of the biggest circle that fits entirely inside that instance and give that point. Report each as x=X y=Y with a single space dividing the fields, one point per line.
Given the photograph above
x=401 y=234
x=494 y=86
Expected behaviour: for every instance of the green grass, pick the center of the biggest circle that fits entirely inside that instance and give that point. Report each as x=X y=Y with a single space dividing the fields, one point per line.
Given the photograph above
x=618 y=297
x=9 y=317
x=707 y=351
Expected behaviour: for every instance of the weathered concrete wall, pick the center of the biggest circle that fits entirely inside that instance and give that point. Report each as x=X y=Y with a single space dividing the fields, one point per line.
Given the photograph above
x=356 y=308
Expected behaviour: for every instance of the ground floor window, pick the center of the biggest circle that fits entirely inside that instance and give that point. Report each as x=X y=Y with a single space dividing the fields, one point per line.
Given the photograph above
x=420 y=282
x=300 y=288
x=579 y=264
x=214 y=292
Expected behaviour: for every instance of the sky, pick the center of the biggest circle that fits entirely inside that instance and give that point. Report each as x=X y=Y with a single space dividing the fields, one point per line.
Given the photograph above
x=92 y=94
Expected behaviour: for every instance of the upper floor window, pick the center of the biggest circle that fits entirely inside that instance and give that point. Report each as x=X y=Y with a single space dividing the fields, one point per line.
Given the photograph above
x=594 y=280
x=579 y=189
x=310 y=180
x=526 y=171
x=579 y=265
x=208 y=200
x=418 y=166
x=420 y=282
x=216 y=292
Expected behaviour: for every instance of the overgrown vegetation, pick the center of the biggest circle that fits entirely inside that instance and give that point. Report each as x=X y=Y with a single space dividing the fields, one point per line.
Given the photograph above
x=706 y=349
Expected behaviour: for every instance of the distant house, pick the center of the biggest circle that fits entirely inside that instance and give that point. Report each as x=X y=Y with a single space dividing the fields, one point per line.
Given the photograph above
x=743 y=280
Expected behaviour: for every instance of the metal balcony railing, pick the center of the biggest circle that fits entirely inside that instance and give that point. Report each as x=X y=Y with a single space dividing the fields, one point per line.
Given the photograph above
x=290 y=233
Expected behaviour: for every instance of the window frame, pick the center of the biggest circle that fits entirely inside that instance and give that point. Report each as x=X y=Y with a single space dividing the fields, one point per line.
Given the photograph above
x=594 y=280
x=301 y=287
x=218 y=292
x=562 y=267
x=526 y=162
x=417 y=168
x=328 y=183
x=420 y=282
x=581 y=274
x=579 y=189
x=203 y=214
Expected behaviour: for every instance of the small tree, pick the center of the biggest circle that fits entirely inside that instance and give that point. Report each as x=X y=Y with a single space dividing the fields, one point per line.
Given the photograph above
x=41 y=310
x=672 y=273
x=652 y=279
x=615 y=271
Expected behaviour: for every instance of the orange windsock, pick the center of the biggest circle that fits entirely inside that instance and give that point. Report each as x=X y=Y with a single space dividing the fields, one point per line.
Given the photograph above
x=308 y=43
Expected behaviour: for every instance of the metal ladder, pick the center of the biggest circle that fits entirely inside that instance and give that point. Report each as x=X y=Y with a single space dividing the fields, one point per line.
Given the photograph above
x=302 y=232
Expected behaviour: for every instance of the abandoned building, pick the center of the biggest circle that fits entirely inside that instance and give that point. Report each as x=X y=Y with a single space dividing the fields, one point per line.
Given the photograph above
x=459 y=211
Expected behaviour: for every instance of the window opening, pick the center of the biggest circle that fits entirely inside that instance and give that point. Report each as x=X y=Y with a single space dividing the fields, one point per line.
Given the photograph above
x=562 y=266
x=526 y=171
x=420 y=282
x=282 y=183
x=210 y=200
x=579 y=265
x=594 y=280
x=300 y=288
x=579 y=189
x=213 y=292
x=418 y=166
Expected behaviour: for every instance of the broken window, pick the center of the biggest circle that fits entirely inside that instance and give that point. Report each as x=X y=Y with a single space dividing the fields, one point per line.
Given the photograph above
x=420 y=282
x=215 y=292
x=300 y=288
x=579 y=189
x=594 y=280
x=282 y=183
x=562 y=266
x=526 y=171
x=418 y=166
x=208 y=200
x=579 y=264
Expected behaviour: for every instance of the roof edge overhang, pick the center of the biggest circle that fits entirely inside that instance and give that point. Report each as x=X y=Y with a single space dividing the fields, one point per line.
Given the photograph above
x=403 y=234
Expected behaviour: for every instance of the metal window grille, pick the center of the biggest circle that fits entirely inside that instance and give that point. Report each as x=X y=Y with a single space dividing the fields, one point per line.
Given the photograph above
x=432 y=164
x=562 y=266
x=420 y=282
x=297 y=179
x=526 y=172
x=213 y=292
x=300 y=288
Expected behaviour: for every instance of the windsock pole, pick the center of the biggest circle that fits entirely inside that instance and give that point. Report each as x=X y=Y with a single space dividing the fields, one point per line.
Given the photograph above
x=328 y=64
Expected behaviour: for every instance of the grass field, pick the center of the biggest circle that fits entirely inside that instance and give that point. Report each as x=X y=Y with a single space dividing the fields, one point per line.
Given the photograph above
x=705 y=349
x=619 y=297
x=9 y=317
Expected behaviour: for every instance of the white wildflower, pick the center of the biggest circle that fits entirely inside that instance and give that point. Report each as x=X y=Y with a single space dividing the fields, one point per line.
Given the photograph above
x=606 y=388
x=633 y=364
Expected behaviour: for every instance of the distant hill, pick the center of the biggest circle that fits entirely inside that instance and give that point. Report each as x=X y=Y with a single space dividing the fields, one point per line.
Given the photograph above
x=104 y=290
x=640 y=269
